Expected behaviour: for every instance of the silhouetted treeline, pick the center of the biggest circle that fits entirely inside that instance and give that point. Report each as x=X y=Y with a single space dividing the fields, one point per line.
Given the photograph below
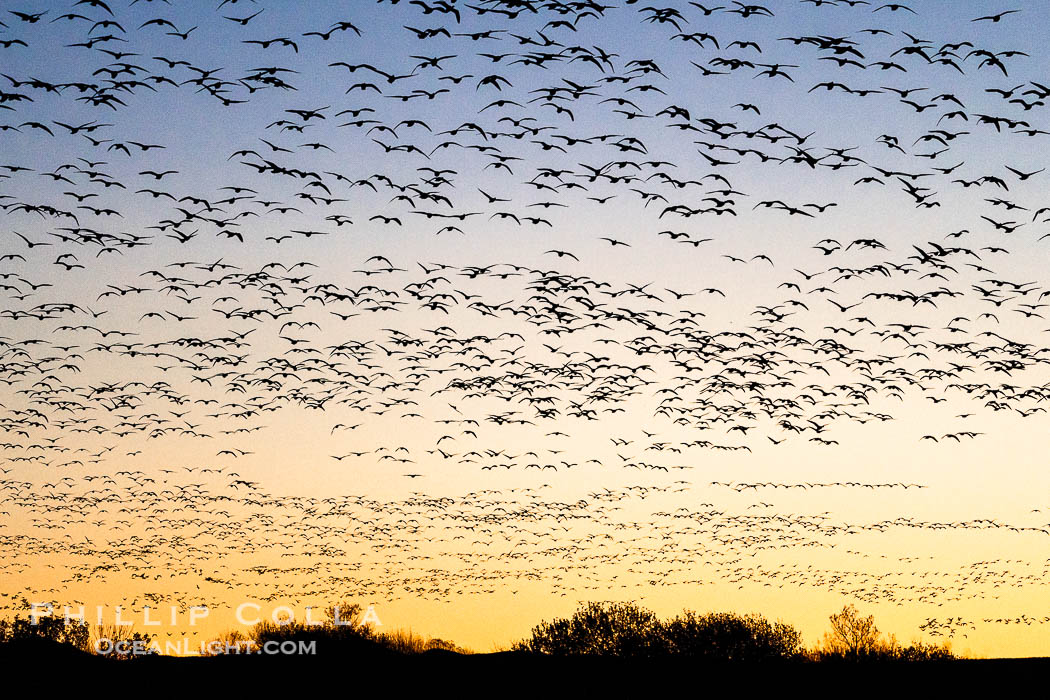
x=629 y=631
x=342 y=631
x=595 y=630
x=626 y=630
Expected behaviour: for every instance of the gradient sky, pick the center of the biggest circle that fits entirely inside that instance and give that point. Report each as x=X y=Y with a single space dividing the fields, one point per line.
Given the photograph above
x=208 y=401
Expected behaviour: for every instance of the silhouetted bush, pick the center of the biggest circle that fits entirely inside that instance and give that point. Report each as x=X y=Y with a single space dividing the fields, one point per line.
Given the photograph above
x=626 y=630
x=343 y=633
x=53 y=629
x=919 y=651
x=886 y=651
x=337 y=634
x=732 y=637
x=603 y=629
x=121 y=642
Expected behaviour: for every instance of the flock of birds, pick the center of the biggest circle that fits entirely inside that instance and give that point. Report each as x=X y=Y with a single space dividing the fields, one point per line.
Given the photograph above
x=420 y=227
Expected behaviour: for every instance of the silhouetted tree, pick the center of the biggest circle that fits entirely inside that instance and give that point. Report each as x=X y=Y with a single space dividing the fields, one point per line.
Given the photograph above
x=76 y=634
x=852 y=634
x=345 y=629
x=732 y=637
x=605 y=629
x=626 y=630
x=853 y=637
x=121 y=642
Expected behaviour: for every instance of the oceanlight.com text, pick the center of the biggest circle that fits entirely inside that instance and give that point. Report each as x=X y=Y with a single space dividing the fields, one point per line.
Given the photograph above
x=184 y=647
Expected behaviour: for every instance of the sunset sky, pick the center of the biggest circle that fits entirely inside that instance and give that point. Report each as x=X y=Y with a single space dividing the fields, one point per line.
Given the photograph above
x=474 y=312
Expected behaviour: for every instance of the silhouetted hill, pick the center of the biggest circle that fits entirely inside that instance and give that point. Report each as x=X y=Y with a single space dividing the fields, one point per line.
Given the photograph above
x=15 y=654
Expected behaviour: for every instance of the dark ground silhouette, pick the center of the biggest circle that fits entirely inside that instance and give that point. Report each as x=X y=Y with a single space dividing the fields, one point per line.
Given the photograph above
x=602 y=643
